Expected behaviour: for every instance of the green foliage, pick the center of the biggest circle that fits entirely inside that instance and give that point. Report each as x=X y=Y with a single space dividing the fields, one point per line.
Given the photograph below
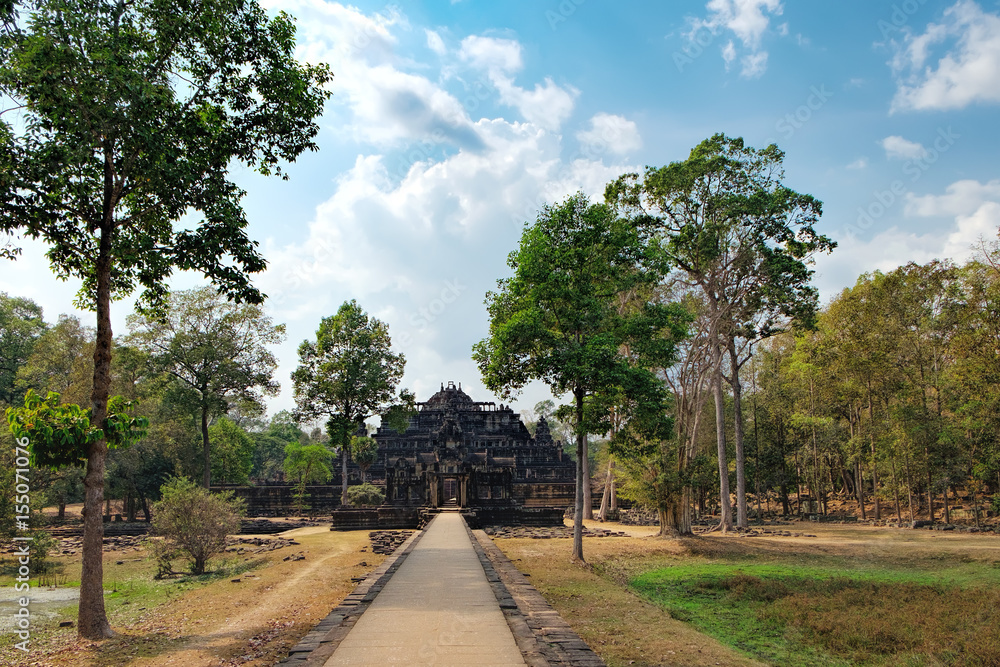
x=62 y=361
x=58 y=433
x=232 y=452
x=306 y=464
x=365 y=495
x=21 y=325
x=169 y=97
x=348 y=375
x=557 y=319
x=364 y=452
x=217 y=352
x=135 y=113
x=571 y=317
x=194 y=521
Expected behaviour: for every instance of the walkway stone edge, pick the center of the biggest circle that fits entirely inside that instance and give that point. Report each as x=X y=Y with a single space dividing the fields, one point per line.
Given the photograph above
x=543 y=636
x=318 y=645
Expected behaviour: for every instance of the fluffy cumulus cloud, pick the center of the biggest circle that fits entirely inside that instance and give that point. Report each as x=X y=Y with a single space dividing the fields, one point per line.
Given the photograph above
x=965 y=214
x=968 y=70
x=898 y=148
x=610 y=133
x=420 y=246
x=748 y=20
x=547 y=105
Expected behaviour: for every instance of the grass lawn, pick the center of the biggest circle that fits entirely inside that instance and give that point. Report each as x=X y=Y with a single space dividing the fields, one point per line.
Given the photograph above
x=848 y=596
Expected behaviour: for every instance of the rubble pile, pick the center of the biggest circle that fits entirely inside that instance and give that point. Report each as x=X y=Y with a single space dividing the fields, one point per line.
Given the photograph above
x=387 y=541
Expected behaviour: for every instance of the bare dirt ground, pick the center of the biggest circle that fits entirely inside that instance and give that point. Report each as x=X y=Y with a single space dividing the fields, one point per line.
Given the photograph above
x=251 y=619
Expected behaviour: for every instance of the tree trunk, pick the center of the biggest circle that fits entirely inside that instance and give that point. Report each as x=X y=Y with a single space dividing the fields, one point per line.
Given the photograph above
x=206 y=446
x=895 y=485
x=343 y=472
x=62 y=511
x=860 y=487
x=720 y=433
x=741 y=482
x=614 y=495
x=581 y=452
x=871 y=439
x=588 y=498
x=909 y=484
x=92 y=619
x=602 y=515
x=930 y=486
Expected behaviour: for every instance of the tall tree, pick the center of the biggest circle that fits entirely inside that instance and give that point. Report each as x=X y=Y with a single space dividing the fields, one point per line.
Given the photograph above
x=62 y=361
x=216 y=349
x=135 y=113
x=364 y=453
x=743 y=239
x=306 y=463
x=347 y=375
x=21 y=325
x=557 y=319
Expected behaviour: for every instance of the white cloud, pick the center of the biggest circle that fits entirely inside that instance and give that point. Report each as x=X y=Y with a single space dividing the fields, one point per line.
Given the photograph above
x=435 y=43
x=754 y=65
x=860 y=163
x=749 y=20
x=610 y=133
x=968 y=211
x=966 y=74
x=729 y=54
x=547 y=105
x=898 y=148
x=421 y=252
x=491 y=53
x=961 y=198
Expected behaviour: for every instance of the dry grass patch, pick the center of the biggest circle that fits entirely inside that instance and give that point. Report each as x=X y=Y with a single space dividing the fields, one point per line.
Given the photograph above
x=620 y=626
x=848 y=595
x=212 y=621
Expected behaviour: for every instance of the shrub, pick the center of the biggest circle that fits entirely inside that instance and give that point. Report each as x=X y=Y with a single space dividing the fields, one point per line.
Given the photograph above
x=365 y=494
x=194 y=521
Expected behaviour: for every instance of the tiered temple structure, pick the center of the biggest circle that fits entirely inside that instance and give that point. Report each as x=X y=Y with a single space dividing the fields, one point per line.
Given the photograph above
x=466 y=453
x=475 y=456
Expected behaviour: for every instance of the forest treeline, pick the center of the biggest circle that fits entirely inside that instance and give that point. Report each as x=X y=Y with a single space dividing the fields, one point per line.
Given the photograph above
x=199 y=376
x=894 y=398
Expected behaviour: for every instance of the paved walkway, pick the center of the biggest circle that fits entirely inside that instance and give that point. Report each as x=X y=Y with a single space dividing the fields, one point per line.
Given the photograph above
x=424 y=618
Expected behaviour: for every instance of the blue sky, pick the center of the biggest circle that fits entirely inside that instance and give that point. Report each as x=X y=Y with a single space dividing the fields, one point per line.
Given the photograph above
x=451 y=124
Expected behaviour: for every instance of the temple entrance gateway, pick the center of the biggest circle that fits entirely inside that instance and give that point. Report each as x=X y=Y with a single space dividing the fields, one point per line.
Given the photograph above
x=477 y=456
x=459 y=451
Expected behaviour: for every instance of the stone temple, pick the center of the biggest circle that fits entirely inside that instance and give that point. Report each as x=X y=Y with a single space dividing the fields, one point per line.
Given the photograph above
x=473 y=455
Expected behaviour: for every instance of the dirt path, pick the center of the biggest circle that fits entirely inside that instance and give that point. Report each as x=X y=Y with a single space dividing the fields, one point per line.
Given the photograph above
x=251 y=620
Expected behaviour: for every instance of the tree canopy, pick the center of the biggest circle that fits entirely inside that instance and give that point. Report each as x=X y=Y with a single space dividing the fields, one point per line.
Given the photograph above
x=557 y=318
x=741 y=238
x=347 y=375
x=134 y=114
x=216 y=349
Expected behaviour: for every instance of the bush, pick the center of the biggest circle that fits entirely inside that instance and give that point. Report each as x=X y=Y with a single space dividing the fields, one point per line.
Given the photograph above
x=194 y=521
x=365 y=494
